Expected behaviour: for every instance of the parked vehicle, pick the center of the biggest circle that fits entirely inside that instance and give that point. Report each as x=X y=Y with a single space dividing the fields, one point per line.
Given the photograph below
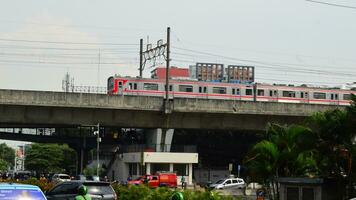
x=87 y=178
x=69 y=189
x=20 y=191
x=159 y=180
x=57 y=178
x=228 y=183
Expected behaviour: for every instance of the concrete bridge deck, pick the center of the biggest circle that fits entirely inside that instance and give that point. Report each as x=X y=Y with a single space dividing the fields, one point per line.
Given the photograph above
x=20 y=108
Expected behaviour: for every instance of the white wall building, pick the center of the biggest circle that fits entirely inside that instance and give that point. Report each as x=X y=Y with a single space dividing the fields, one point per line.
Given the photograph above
x=140 y=163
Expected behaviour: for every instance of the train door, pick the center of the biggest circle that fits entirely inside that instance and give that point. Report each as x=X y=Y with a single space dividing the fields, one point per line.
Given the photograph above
x=334 y=97
x=120 y=86
x=304 y=96
x=236 y=93
x=273 y=95
x=204 y=91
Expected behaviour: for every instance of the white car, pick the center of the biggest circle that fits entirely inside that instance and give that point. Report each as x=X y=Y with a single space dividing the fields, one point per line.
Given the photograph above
x=228 y=183
x=57 y=178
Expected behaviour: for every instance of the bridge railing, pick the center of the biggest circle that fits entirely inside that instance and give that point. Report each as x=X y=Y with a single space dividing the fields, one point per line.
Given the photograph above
x=159 y=148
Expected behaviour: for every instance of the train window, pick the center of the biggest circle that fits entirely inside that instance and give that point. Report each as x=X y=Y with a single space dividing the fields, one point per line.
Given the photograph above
x=200 y=89
x=347 y=96
x=205 y=90
x=233 y=90
x=319 y=95
x=185 y=88
x=135 y=86
x=130 y=86
x=336 y=97
x=288 y=94
x=219 y=90
x=248 y=91
x=150 y=86
x=332 y=96
x=302 y=95
x=260 y=93
x=270 y=93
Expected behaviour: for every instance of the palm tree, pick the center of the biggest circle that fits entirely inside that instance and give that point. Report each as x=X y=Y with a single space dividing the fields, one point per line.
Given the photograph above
x=286 y=151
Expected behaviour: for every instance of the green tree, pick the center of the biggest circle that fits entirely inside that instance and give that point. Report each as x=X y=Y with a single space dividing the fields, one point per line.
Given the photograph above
x=7 y=157
x=286 y=151
x=46 y=158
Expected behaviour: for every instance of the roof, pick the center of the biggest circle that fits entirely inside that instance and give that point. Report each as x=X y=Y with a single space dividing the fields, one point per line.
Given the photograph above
x=295 y=180
x=18 y=186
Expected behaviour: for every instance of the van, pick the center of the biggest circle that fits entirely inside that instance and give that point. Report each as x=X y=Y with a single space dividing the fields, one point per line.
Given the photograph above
x=228 y=183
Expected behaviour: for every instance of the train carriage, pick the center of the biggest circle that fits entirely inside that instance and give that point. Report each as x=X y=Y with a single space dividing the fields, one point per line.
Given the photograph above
x=118 y=85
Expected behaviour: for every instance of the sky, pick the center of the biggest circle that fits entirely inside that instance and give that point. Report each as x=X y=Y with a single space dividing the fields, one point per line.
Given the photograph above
x=288 y=41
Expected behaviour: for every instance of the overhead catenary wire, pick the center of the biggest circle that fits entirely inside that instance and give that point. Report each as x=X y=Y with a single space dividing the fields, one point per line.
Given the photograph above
x=332 y=4
x=62 y=42
x=266 y=64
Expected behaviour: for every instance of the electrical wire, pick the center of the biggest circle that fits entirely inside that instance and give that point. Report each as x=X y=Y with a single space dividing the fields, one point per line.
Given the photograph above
x=332 y=4
x=77 y=43
x=270 y=65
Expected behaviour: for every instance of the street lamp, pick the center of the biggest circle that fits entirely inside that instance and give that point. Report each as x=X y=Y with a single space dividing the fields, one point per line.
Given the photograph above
x=98 y=140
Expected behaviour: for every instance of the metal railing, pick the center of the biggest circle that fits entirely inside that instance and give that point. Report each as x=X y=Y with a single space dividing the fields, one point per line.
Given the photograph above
x=158 y=148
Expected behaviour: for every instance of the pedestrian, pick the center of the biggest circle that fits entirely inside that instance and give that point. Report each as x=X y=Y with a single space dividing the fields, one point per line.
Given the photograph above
x=182 y=181
x=82 y=193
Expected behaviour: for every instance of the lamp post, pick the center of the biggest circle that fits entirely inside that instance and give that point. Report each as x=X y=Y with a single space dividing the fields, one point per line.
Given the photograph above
x=98 y=140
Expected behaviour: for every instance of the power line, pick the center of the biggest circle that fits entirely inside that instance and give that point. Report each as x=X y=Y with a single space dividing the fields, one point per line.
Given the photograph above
x=55 y=42
x=332 y=4
x=60 y=48
x=265 y=64
x=61 y=63
x=122 y=29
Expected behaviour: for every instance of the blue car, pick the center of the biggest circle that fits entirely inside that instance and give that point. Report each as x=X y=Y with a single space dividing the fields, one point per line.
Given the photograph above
x=14 y=191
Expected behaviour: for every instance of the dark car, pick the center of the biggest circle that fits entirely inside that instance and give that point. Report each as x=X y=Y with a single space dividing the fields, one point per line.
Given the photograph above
x=69 y=189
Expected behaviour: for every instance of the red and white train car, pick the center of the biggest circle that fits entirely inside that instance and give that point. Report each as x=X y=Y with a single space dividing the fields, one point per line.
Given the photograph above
x=118 y=85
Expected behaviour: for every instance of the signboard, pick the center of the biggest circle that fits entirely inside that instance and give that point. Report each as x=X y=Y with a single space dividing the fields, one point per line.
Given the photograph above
x=230 y=167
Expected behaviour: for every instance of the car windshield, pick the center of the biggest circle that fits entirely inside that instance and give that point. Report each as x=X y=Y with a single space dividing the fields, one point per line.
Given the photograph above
x=64 y=177
x=16 y=194
x=220 y=181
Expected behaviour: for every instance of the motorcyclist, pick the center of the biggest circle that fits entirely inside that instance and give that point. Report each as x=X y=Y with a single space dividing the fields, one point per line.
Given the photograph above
x=82 y=193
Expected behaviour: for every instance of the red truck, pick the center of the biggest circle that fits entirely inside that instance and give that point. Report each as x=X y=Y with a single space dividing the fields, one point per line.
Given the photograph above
x=159 y=180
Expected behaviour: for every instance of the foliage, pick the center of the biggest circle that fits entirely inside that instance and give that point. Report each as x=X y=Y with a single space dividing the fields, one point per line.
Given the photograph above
x=162 y=193
x=285 y=152
x=90 y=171
x=49 y=158
x=325 y=147
x=7 y=157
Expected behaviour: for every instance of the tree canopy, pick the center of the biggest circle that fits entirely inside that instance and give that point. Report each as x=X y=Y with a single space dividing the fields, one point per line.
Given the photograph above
x=50 y=158
x=323 y=147
x=7 y=157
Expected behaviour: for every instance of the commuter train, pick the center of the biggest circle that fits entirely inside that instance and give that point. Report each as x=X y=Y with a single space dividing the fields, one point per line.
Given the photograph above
x=118 y=85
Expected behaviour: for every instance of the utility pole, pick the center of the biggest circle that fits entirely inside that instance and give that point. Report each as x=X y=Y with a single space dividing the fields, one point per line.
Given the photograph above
x=98 y=139
x=151 y=53
x=141 y=59
x=167 y=70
